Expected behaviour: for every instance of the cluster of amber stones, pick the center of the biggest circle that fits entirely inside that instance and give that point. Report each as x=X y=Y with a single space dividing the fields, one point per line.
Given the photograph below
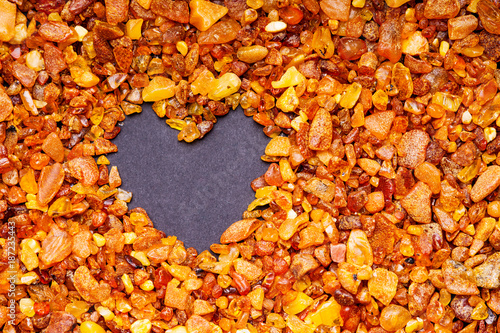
x=378 y=212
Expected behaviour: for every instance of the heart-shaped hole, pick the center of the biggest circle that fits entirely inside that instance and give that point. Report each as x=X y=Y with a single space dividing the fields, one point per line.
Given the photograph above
x=193 y=191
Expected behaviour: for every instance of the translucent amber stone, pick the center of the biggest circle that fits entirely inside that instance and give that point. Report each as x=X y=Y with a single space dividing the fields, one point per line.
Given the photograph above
x=203 y=83
x=288 y=101
x=28 y=183
x=322 y=43
x=224 y=86
x=395 y=3
x=291 y=77
x=159 y=88
x=299 y=304
x=415 y=44
x=251 y=54
x=204 y=13
x=7 y=20
x=60 y=207
x=327 y=314
x=133 y=28
x=351 y=96
x=448 y=101
x=394 y=317
x=189 y=133
x=77 y=308
x=359 y=251
x=470 y=172
x=401 y=79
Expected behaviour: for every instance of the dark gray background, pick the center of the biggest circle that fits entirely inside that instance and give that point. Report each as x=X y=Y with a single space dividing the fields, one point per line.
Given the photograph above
x=191 y=190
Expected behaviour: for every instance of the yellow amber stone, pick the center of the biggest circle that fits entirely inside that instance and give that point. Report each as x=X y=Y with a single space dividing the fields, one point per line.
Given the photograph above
x=159 y=88
x=251 y=54
x=177 y=124
x=394 y=317
x=7 y=20
x=27 y=307
x=358 y=3
x=28 y=257
x=288 y=101
x=256 y=298
x=255 y=4
x=469 y=172
x=351 y=96
x=327 y=313
x=299 y=304
x=358 y=118
x=275 y=320
x=182 y=47
x=224 y=86
x=102 y=160
x=475 y=51
x=359 y=251
x=189 y=133
x=395 y=3
x=77 y=308
x=380 y=99
x=87 y=80
x=60 y=207
x=259 y=202
x=322 y=43
x=105 y=192
x=97 y=115
x=473 y=6
x=133 y=28
x=298 y=326
x=448 y=101
x=265 y=191
x=480 y=312
x=146 y=4
x=291 y=77
x=204 y=13
x=141 y=326
x=127 y=282
x=28 y=183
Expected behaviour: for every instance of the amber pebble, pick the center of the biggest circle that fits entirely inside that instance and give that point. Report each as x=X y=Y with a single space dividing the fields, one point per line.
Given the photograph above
x=488 y=273
x=220 y=33
x=429 y=174
x=487 y=182
x=412 y=148
x=489 y=14
x=55 y=31
x=204 y=14
x=383 y=285
x=7 y=20
x=336 y=9
x=116 y=11
x=459 y=279
x=239 y=230
x=321 y=131
x=394 y=317
x=460 y=27
x=389 y=44
x=417 y=203
x=351 y=48
x=85 y=169
x=5 y=105
x=53 y=147
x=174 y=10
x=51 y=179
x=291 y=15
x=379 y=124
x=441 y=9
x=56 y=246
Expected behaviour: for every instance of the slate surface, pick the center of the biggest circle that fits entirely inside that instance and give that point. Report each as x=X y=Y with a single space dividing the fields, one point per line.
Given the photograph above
x=193 y=191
